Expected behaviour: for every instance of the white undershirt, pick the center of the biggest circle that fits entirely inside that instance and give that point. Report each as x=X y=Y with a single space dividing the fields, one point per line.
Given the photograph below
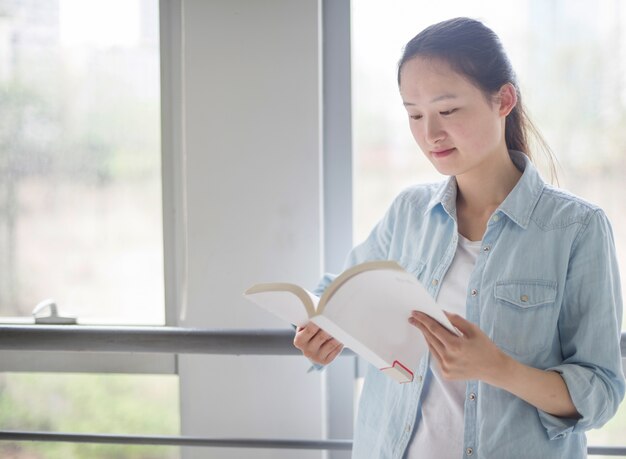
x=439 y=432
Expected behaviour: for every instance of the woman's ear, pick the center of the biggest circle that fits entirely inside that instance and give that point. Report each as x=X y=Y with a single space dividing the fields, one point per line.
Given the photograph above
x=507 y=99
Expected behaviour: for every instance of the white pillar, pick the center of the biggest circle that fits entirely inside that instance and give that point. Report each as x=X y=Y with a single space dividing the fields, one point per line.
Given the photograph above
x=251 y=108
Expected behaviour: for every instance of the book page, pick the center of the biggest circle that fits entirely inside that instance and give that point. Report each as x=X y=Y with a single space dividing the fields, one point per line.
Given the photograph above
x=373 y=307
x=366 y=351
x=289 y=302
x=355 y=271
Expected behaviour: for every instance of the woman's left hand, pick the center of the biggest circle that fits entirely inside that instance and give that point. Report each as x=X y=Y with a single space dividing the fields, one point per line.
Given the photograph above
x=475 y=356
x=470 y=356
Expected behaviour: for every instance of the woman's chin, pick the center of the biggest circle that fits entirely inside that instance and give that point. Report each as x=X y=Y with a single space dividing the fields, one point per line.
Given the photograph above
x=445 y=169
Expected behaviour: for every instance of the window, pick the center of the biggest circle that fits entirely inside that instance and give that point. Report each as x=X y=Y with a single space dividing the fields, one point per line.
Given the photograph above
x=80 y=161
x=81 y=217
x=88 y=403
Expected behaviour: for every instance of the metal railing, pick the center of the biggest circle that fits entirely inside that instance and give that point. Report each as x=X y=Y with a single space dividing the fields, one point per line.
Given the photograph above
x=157 y=440
x=83 y=338
x=172 y=340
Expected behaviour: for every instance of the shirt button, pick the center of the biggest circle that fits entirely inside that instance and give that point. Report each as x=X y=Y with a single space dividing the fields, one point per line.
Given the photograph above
x=472 y=396
x=524 y=298
x=474 y=292
x=408 y=427
x=496 y=218
x=486 y=248
x=469 y=451
x=435 y=282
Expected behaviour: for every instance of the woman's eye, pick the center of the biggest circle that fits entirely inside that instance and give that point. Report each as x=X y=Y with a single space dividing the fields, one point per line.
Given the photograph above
x=448 y=112
x=415 y=117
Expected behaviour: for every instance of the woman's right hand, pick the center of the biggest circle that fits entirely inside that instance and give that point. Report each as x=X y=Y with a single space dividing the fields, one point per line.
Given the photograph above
x=317 y=345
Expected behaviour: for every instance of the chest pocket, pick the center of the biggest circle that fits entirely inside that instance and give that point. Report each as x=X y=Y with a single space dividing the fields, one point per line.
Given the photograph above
x=525 y=316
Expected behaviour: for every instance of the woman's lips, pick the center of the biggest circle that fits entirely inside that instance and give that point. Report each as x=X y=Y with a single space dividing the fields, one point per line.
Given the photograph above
x=442 y=153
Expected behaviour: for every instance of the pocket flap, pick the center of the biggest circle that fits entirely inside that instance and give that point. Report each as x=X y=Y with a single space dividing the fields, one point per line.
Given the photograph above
x=526 y=293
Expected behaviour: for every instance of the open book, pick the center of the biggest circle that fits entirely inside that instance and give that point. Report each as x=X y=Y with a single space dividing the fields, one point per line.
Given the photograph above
x=366 y=308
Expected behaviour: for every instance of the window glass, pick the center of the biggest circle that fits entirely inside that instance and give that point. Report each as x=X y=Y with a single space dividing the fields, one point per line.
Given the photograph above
x=88 y=403
x=80 y=188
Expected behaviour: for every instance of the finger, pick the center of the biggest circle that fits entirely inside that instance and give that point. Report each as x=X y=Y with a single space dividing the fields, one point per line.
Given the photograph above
x=431 y=340
x=435 y=328
x=331 y=350
x=319 y=339
x=463 y=325
x=323 y=335
x=334 y=354
x=308 y=331
x=319 y=347
x=428 y=337
x=435 y=354
x=305 y=334
x=435 y=346
x=425 y=319
x=434 y=343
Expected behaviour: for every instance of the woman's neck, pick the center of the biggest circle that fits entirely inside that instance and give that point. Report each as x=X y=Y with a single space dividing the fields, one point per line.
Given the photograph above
x=483 y=189
x=480 y=192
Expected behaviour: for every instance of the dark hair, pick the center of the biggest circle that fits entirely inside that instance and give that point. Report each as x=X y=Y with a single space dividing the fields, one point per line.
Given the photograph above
x=475 y=51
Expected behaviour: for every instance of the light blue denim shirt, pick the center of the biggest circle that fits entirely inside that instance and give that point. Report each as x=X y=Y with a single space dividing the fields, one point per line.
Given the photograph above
x=545 y=289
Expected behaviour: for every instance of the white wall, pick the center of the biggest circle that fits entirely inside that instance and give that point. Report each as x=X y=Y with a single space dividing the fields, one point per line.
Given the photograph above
x=251 y=107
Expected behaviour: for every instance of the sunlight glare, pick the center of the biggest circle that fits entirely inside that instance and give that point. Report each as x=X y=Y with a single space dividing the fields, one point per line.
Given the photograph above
x=99 y=23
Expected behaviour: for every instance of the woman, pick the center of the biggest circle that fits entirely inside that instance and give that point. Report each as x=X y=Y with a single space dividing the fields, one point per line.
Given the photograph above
x=527 y=272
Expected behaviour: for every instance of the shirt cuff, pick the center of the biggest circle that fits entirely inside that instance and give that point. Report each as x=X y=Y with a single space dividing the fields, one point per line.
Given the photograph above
x=579 y=385
x=315 y=367
x=556 y=427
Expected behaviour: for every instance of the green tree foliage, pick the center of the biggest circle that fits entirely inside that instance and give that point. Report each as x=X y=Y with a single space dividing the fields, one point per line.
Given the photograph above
x=83 y=403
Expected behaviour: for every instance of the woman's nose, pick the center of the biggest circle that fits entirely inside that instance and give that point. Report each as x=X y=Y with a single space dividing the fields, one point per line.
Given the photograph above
x=434 y=133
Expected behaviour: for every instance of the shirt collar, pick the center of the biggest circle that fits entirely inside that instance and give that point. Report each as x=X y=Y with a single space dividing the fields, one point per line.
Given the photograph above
x=446 y=196
x=518 y=205
x=523 y=198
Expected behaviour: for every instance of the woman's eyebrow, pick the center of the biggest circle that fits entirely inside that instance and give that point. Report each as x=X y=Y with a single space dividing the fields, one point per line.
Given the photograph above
x=436 y=99
x=443 y=97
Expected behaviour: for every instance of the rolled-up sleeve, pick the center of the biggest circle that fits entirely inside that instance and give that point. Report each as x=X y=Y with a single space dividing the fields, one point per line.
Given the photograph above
x=590 y=328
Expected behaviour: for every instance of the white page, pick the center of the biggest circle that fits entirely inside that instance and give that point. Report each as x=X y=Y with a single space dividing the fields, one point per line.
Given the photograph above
x=284 y=304
x=378 y=317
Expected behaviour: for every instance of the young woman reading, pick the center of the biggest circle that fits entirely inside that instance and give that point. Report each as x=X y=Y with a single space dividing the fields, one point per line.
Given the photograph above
x=527 y=271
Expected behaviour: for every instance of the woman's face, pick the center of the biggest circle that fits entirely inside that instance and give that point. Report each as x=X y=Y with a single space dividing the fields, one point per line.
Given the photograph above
x=456 y=127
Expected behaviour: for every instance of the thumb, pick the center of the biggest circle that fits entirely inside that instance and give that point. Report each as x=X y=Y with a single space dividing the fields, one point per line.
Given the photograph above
x=463 y=325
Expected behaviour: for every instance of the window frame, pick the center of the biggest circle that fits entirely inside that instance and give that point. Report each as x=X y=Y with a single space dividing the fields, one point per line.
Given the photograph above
x=171 y=49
